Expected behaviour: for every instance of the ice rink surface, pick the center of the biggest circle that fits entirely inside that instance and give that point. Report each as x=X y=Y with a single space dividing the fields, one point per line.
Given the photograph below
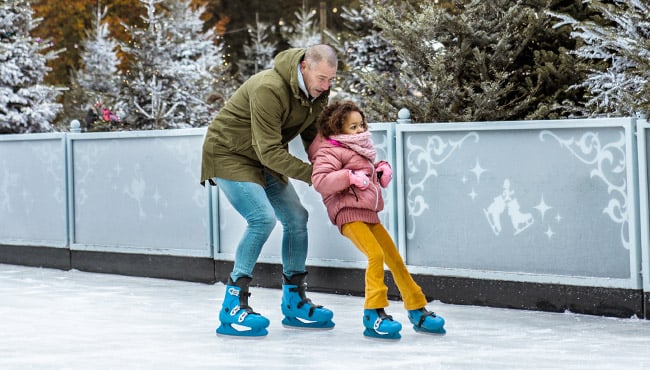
x=53 y=319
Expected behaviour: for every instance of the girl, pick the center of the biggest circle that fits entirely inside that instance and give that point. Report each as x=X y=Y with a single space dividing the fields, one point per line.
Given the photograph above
x=349 y=180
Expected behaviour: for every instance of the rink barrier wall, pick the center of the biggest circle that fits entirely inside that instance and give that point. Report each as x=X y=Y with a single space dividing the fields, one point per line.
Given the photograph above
x=540 y=215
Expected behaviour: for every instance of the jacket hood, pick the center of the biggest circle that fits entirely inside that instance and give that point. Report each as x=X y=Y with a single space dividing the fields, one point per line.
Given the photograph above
x=318 y=144
x=286 y=65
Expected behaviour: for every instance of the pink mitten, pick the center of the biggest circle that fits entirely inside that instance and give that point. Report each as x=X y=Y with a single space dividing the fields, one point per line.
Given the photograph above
x=385 y=173
x=359 y=179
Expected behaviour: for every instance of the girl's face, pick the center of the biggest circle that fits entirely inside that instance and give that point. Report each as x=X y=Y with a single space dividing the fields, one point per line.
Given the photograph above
x=354 y=124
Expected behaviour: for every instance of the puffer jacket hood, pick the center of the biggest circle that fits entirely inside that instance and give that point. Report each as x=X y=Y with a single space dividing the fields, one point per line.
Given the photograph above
x=330 y=177
x=286 y=65
x=250 y=136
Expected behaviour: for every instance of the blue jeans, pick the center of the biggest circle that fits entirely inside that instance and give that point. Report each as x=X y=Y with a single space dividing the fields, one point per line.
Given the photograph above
x=262 y=207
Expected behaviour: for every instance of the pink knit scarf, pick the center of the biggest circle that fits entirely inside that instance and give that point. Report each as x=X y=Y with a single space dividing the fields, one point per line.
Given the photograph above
x=360 y=143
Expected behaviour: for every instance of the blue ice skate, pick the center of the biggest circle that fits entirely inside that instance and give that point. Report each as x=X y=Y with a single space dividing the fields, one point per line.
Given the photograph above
x=236 y=316
x=380 y=325
x=426 y=321
x=298 y=310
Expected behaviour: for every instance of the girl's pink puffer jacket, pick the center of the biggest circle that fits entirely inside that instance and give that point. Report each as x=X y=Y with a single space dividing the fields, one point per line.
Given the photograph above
x=330 y=177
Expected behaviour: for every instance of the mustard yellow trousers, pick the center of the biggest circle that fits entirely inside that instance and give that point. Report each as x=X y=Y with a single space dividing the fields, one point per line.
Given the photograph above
x=374 y=241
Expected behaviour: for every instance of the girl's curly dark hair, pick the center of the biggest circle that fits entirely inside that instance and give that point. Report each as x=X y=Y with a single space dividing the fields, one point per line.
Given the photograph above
x=330 y=121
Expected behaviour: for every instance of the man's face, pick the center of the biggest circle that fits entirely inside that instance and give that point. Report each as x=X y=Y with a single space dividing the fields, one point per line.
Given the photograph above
x=318 y=77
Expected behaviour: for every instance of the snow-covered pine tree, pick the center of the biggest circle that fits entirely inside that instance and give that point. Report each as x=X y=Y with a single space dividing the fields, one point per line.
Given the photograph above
x=482 y=60
x=303 y=32
x=202 y=79
x=26 y=104
x=364 y=50
x=178 y=77
x=99 y=79
x=258 y=51
x=616 y=46
x=148 y=102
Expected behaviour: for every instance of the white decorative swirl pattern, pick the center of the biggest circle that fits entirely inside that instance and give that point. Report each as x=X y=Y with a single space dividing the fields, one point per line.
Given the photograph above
x=426 y=158
x=610 y=165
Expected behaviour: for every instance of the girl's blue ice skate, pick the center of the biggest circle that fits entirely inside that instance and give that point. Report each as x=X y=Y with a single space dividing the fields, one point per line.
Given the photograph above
x=426 y=321
x=298 y=310
x=236 y=316
x=380 y=325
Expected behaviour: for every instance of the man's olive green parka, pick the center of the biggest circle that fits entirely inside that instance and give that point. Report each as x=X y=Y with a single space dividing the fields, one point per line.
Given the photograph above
x=252 y=131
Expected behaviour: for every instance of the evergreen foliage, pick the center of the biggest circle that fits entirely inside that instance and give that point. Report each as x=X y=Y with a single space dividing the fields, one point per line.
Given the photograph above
x=26 y=103
x=66 y=23
x=478 y=61
x=303 y=32
x=446 y=61
x=616 y=47
x=97 y=85
x=258 y=51
x=365 y=51
x=178 y=77
x=203 y=79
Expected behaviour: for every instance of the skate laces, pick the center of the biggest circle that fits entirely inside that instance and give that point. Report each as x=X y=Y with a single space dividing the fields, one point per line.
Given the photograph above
x=381 y=316
x=384 y=316
x=243 y=303
x=304 y=300
x=424 y=314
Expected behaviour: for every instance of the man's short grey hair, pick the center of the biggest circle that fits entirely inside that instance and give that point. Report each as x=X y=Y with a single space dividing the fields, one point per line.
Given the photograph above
x=321 y=52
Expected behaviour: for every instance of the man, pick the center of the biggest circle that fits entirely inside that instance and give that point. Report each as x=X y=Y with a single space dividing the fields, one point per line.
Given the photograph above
x=245 y=153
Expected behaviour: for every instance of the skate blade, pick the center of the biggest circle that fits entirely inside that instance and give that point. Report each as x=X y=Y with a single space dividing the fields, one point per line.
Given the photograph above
x=373 y=335
x=240 y=331
x=298 y=323
x=440 y=331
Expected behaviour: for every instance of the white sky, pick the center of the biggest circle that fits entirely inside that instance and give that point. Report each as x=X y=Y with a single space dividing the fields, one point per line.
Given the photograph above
x=52 y=319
